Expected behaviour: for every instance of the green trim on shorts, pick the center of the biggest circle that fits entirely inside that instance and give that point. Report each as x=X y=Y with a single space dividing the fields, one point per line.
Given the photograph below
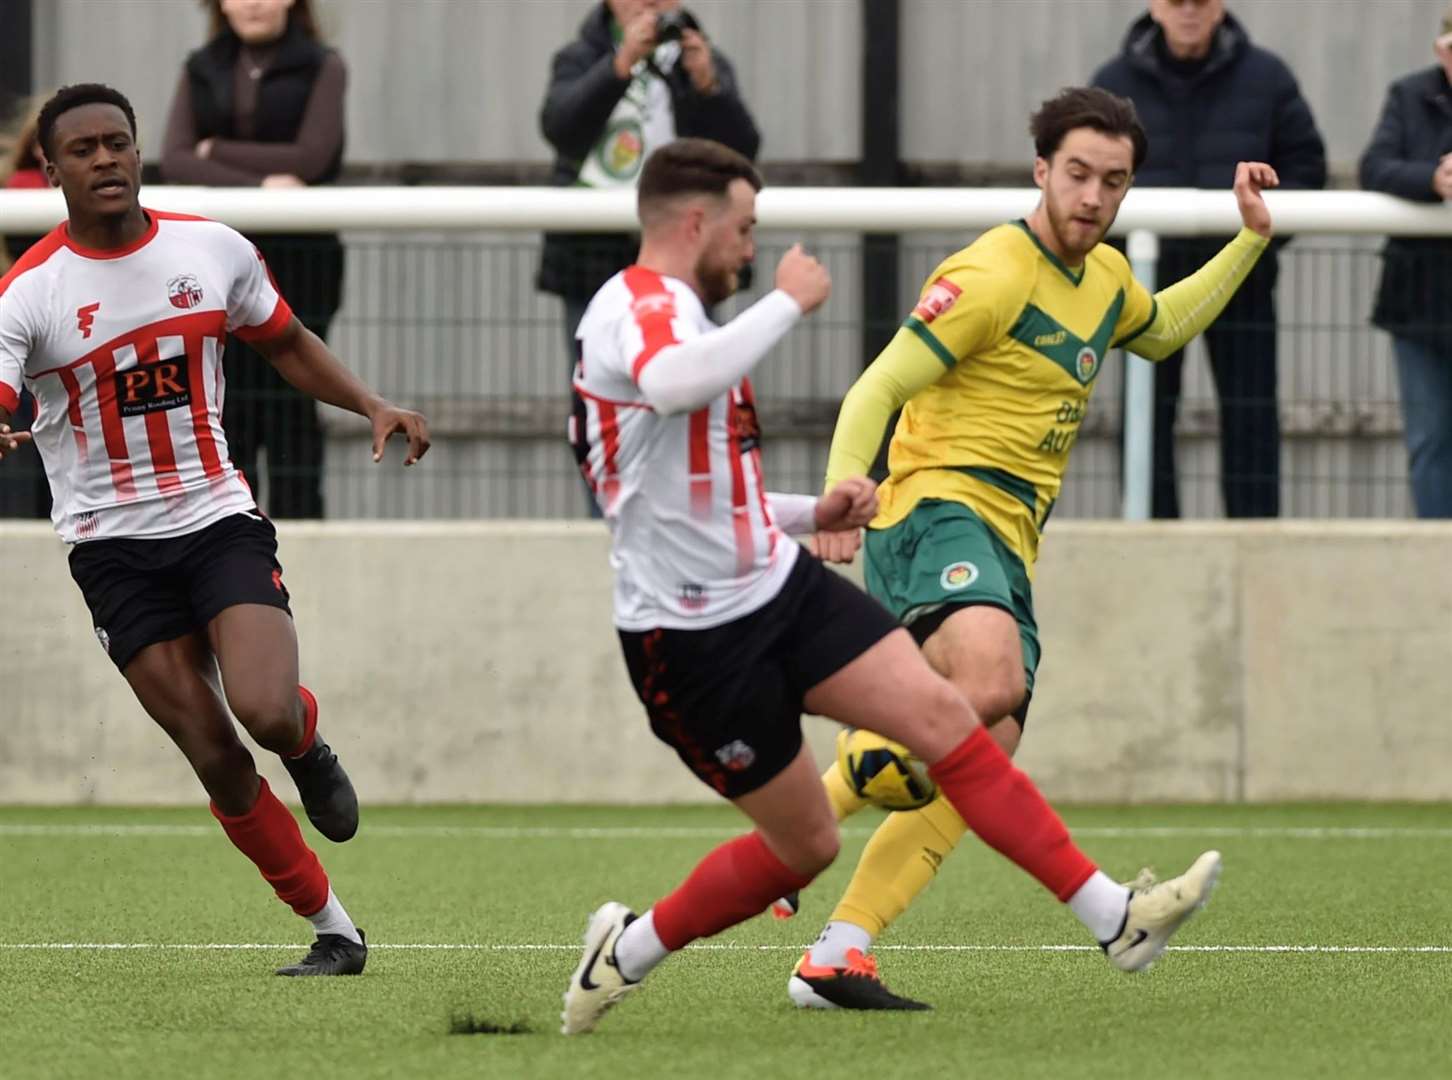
x=943 y=554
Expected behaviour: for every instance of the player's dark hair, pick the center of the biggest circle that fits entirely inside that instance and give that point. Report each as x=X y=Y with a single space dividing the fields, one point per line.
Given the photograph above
x=692 y=167
x=1086 y=107
x=73 y=97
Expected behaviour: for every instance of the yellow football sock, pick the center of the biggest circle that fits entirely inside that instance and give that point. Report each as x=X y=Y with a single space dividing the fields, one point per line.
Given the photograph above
x=899 y=861
x=845 y=801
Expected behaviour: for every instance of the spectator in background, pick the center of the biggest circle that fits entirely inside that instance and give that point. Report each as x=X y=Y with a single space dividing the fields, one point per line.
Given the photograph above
x=21 y=166
x=261 y=105
x=640 y=74
x=1410 y=155
x=25 y=493
x=1209 y=99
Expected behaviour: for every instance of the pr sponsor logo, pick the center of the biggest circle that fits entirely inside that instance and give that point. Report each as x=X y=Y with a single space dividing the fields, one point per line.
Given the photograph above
x=149 y=388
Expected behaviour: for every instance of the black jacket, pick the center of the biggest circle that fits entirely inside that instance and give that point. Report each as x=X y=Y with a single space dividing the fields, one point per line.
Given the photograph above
x=1415 y=130
x=582 y=94
x=308 y=267
x=1241 y=103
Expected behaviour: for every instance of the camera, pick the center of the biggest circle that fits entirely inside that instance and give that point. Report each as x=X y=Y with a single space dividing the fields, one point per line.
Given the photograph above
x=669 y=24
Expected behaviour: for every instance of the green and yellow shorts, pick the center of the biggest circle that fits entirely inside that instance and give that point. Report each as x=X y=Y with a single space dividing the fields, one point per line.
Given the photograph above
x=943 y=556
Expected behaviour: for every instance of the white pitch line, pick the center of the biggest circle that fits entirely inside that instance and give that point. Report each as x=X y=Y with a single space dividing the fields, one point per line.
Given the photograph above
x=665 y=832
x=124 y=946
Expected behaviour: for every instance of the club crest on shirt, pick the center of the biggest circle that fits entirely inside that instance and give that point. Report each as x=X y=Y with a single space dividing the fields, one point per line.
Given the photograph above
x=184 y=291
x=661 y=303
x=1087 y=362
x=941 y=295
x=622 y=149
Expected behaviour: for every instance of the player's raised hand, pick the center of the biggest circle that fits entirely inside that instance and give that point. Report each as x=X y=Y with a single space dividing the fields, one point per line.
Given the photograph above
x=1251 y=178
x=390 y=420
x=803 y=278
x=11 y=441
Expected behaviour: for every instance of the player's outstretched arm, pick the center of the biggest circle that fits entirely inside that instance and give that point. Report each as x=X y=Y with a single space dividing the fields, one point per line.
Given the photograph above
x=903 y=368
x=689 y=375
x=1186 y=309
x=302 y=358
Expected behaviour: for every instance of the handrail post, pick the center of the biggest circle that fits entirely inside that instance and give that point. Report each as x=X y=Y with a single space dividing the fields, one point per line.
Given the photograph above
x=1139 y=394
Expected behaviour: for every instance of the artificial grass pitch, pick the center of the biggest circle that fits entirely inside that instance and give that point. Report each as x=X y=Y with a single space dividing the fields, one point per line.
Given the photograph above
x=138 y=943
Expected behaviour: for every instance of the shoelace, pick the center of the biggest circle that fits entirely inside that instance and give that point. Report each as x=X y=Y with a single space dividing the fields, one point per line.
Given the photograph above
x=324 y=950
x=860 y=964
x=1144 y=881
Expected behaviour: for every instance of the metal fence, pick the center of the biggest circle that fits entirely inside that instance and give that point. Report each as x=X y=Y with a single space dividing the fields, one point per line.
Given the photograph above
x=450 y=321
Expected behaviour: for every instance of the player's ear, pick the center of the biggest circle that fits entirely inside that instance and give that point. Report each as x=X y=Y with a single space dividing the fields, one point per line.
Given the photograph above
x=52 y=174
x=695 y=220
x=1041 y=172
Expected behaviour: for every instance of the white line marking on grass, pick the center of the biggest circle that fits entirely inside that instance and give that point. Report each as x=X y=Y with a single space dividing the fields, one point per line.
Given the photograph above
x=654 y=832
x=120 y=946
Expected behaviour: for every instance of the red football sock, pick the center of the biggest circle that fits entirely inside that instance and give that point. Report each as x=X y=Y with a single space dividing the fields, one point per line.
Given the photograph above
x=310 y=722
x=1006 y=810
x=268 y=835
x=735 y=882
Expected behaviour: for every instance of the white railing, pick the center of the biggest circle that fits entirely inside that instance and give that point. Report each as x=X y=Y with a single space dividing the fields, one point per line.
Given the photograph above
x=1177 y=211
x=1146 y=214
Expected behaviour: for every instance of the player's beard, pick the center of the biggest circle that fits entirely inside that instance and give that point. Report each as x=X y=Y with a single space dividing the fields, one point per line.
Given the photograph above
x=718 y=281
x=1063 y=226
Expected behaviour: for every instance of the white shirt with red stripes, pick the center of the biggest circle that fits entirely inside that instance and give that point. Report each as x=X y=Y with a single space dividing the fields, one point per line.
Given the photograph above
x=122 y=351
x=695 y=538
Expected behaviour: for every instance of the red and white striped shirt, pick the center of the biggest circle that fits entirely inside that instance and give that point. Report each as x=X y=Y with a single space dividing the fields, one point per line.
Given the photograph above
x=695 y=542
x=122 y=351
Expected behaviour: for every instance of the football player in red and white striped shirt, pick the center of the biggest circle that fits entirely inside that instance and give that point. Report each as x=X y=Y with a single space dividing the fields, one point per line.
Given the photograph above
x=730 y=630
x=115 y=322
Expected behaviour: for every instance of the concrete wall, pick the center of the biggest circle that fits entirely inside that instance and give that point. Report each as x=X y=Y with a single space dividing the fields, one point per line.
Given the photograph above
x=475 y=662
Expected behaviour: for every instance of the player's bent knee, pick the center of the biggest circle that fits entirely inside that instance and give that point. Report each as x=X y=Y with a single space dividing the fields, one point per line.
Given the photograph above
x=275 y=720
x=996 y=698
x=813 y=850
x=943 y=718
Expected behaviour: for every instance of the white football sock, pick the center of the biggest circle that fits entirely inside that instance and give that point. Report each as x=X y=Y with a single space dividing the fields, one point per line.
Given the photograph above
x=830 y=950
x=1101 y=904
x=639 y=948
x=332 y=919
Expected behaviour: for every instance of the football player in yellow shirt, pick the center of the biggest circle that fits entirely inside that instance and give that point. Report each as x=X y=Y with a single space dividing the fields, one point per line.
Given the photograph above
x=993 y=371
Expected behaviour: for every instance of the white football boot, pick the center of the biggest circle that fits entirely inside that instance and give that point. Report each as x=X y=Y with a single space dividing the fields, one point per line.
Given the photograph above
x=597 y=985
x=1157 y=909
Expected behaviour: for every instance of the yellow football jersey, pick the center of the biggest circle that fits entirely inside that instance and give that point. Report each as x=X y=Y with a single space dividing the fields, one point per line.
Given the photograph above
x=1022 y=338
